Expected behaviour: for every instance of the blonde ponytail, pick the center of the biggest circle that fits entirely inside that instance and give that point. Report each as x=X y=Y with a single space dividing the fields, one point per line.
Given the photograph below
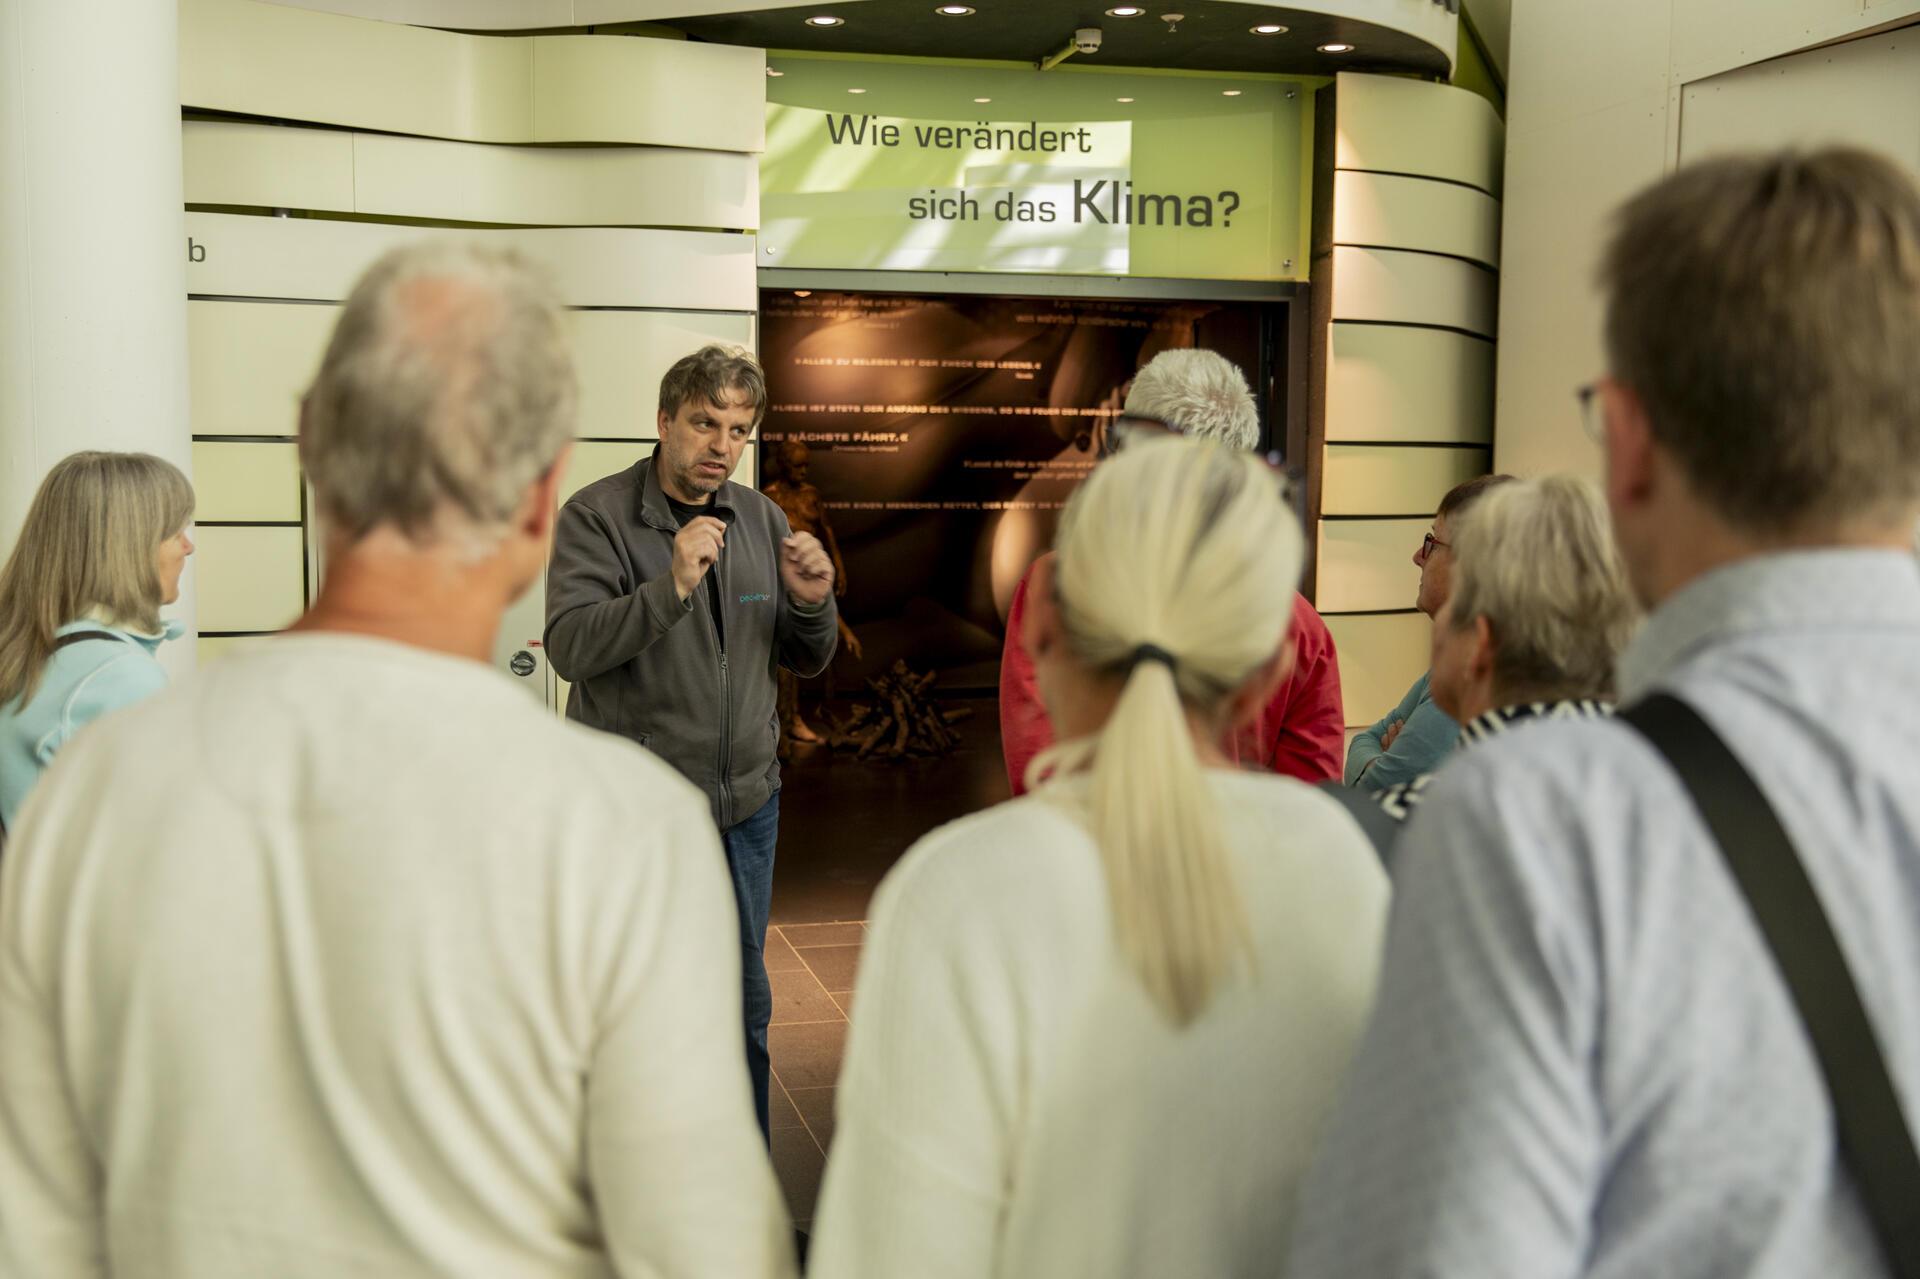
x=1177 y=562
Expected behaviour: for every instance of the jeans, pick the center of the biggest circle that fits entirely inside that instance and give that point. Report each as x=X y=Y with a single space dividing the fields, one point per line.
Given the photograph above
x=750 y=859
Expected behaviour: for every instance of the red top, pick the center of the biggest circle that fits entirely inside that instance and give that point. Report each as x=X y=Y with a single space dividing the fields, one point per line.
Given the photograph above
x=1300 y=733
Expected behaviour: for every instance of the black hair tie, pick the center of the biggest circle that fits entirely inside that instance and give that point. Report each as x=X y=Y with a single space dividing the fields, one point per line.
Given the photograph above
x=1152 y=653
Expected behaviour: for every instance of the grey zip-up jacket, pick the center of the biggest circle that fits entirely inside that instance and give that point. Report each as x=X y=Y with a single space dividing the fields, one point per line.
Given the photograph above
x=648 y=665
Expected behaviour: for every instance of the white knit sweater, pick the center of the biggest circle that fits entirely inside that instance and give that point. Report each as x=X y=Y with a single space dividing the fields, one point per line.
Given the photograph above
x=344 y=958
x=1013 y=1105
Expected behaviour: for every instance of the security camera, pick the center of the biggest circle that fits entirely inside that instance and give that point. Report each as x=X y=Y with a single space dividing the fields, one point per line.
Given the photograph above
x=1087 y=40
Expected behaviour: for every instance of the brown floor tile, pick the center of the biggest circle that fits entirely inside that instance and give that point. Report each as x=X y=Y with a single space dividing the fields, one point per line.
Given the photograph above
x=808 y=1055
x=799 y=996
x=816 y=1110
x=798 y=1163
x=781 y=1111
x=780 y=956
x=801 y=936
x=835 y=966
x=844 y=998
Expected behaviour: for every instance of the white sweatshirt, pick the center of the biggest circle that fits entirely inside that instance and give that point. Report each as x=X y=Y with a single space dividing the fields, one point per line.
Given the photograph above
x=1014 y=1106
x=344 y=958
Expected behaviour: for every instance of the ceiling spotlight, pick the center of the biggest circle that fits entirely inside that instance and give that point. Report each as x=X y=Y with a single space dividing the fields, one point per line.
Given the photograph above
x=1229 y=93
x=856 y=90
x=803 y=293
x=1123 y=99
x=1269 y=29
x=825 y=20
x=955 y=11
x=1125 y=11
x=1336 y=48
x=983 y=99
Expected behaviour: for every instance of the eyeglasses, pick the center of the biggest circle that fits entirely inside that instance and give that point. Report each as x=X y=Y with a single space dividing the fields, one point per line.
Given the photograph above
x=1592 y=419
x=1132 y=428
x=1428 y=542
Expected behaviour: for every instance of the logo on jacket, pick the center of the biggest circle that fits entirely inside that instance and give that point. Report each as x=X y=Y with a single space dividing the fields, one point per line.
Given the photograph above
x=755 y=599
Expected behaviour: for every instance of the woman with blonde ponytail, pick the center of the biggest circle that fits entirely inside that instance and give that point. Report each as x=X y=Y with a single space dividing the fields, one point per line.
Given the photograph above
x=100 y=553
x=1099 y=1027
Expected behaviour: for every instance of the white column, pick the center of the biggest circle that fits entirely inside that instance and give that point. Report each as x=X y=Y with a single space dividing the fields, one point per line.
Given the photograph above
x=93 y=321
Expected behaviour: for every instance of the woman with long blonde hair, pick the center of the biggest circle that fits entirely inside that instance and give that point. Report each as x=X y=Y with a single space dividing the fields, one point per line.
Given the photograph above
x=100 y=553
x=1099 y=1027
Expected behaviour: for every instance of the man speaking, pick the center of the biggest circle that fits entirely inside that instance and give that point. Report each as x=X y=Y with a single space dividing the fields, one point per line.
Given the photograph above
x=673 y=599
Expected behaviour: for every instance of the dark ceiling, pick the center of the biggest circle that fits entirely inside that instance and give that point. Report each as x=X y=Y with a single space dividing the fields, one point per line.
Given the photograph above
x=1214 y=35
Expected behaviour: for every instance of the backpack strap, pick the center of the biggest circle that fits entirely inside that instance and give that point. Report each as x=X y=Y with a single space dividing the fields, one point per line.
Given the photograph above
x=1875 y=1141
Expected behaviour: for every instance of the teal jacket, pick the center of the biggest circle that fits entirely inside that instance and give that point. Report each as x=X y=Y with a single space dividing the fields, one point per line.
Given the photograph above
x=1424 y=741
x=81 y=683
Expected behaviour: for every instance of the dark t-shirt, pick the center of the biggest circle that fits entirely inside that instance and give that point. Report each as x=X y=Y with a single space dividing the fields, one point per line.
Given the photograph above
x=684 y=513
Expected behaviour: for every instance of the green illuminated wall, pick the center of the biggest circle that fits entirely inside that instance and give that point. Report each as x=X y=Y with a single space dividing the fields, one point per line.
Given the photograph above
x=915 y=173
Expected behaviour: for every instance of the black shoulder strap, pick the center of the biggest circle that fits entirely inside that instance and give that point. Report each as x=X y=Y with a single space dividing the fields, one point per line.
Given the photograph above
x=81 y=637
x=1875 y=1139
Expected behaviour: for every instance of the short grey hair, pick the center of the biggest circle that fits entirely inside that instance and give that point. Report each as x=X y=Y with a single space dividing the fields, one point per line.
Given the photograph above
x=715 y=374
x=1766 y=310
x=1201 y=393
x=446 y=390
x=1537 y=559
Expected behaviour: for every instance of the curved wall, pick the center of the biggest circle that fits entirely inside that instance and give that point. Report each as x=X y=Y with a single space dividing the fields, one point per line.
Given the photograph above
x=578 y=151
x=1412 y=273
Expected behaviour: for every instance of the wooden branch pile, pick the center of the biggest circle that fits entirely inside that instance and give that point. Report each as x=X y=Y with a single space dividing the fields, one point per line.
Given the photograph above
x=902 y=720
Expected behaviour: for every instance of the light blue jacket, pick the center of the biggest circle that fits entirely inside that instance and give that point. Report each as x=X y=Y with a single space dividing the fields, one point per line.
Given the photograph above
x=81 y=683
x=1428 y=735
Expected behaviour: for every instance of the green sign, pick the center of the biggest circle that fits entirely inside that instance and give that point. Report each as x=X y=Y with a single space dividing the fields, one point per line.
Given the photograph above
x=922 y=166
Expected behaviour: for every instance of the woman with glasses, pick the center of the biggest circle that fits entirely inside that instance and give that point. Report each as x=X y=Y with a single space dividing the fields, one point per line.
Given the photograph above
x=1416 y=735
x=1100 y=1026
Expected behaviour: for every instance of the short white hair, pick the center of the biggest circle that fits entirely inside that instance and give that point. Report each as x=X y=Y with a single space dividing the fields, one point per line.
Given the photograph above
x=1537 y=559
x=446 y=390
x=1201 y=393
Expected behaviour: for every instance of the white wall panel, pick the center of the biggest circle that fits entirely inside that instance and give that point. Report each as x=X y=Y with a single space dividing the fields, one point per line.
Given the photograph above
x=249 y=578
x=251 y=361
x=595 y=460
x=673 y=93
x=1367 y=565
x=1713 y=36
x=246 y=480
x=1388 y=211
x=592 y=266
x=271 y=166
x=285 y=63
x=211 y=647
x=328 y=170
x=622 y=355
x=1412 y=288
x=1866 y=93
x=1388 y=124
x=1373 y=480
x=1380 y=658
x=1386 y=383
x=555 y=186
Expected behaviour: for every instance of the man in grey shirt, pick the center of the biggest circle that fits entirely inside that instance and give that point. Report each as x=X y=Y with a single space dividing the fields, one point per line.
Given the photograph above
x=673 y=599
x=1584 y=1060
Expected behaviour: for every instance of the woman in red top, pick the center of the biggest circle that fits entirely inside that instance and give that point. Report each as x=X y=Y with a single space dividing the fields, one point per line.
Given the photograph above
x=1302 y=732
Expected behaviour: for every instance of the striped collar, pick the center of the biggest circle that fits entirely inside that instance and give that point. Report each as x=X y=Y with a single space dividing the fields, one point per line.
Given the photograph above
x=1400 y=801
x=1496 y=722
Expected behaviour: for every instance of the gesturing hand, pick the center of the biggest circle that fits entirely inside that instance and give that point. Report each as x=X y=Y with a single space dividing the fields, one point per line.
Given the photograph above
x=805 y=570
x=696 y=547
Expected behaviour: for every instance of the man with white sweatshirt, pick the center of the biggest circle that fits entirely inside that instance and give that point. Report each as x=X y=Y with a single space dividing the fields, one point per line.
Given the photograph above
x=344 y=958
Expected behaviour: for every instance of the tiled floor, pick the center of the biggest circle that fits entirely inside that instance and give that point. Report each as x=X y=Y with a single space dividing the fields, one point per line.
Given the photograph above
x=812 y=969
